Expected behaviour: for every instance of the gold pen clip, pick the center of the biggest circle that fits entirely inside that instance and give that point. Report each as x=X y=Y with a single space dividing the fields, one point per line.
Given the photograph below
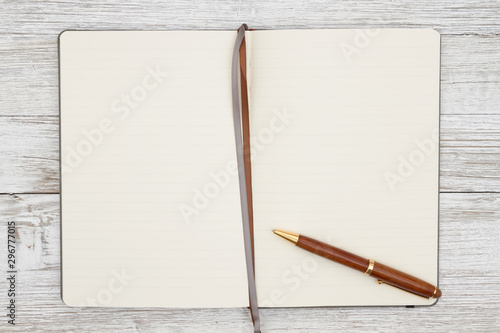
x=382 y=282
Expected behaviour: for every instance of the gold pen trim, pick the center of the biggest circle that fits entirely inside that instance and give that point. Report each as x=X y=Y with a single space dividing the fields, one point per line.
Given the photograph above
x=382 y=282
x=289 y=236
x=369 y=270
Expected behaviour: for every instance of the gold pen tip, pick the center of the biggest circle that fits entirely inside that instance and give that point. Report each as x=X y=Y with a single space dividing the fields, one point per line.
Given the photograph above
x=289 y=236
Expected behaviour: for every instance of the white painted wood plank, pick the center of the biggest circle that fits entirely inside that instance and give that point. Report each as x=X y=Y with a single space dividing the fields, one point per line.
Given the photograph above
x=29 y=75
x=470 y=154
x=50 y=17
x=470 y=74
x=469 y=278
x=29 y=154
x=470 y=151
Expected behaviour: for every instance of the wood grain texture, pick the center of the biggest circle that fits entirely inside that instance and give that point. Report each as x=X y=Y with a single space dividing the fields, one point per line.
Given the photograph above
x=50 y=17
x=29 y=150
x=470 y=155
x=469 y=278
x=333 y=253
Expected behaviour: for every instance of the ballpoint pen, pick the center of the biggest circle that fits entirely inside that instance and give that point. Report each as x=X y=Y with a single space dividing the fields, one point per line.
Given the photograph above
x=382 y=273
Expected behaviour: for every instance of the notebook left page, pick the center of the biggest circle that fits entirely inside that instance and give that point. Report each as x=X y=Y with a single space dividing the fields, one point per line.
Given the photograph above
x=150 y=200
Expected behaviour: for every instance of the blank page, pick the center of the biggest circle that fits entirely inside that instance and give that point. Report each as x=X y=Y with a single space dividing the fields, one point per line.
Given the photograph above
x=345 y=150
x=150 y=198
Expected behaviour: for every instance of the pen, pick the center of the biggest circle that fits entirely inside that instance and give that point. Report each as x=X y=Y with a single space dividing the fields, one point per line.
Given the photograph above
x=382 y=273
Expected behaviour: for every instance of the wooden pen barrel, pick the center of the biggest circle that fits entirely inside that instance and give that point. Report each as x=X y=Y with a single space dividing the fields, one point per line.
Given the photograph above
x=333 y=253
x=377 y=270
x=404 y=281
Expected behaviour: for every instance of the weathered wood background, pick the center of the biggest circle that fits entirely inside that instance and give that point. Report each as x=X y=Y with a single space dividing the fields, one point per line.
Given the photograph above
x=470 y=159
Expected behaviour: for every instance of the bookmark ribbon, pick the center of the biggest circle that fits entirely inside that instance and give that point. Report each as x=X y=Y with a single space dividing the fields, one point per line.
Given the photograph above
x=242 y=140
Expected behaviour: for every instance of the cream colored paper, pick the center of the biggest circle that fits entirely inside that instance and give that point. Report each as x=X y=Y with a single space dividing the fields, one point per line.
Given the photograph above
x=355 y=166
x=168 y=148
x=344 y=130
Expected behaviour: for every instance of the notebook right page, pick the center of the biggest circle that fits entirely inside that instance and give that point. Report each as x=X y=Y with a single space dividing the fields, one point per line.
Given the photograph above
x=345 y=128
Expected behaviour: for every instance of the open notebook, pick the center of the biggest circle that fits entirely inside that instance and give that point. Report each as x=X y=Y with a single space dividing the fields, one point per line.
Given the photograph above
x=344 y=130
